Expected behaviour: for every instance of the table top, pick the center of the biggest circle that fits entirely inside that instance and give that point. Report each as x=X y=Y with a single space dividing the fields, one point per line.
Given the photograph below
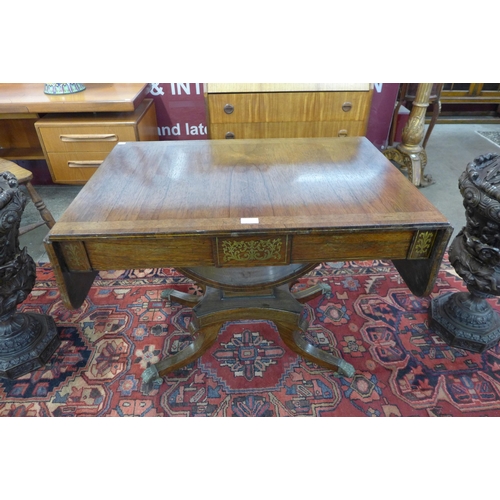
x=97 y=97
x=234 y=186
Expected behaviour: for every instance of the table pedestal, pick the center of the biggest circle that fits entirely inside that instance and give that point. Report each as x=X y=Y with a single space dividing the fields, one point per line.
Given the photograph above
x=266 y=296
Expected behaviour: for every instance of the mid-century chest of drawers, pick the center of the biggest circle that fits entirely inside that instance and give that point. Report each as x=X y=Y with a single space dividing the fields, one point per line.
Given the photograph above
x=251 y=111
x=75 y=144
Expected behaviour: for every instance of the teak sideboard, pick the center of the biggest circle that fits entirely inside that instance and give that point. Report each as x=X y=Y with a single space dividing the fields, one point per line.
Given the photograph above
x=281 y=110
x=74 y=132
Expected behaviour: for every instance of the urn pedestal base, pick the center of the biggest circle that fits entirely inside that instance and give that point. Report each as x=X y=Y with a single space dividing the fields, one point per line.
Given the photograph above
x=27 y=342
x=465 y=321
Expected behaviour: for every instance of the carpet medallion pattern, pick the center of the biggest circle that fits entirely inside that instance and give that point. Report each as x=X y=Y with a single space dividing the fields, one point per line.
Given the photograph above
x=369 y=318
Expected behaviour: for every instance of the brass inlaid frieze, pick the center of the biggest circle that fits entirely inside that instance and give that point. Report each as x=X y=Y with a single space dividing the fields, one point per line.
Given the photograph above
x=252 y=250
x=75 y=256
x=422 y=245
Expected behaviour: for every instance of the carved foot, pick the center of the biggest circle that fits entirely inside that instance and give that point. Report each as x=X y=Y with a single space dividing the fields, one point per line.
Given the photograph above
x=312 y=292
x=426 y=180
x=413 y=159
x=151 y=375
x=204 y=341
x=294 y=339
x=185 y=299
x=323 y=358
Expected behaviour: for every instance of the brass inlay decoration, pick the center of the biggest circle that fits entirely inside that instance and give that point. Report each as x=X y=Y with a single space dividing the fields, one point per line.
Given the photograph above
x=76 y=256
x=422 y=245
x=244 y=251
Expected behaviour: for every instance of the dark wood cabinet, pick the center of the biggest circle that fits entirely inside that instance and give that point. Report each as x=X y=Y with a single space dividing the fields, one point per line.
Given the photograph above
x=471 y=93
x=470 y=103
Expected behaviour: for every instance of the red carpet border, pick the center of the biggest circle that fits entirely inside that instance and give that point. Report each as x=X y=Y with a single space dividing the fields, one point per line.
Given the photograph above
x=370 y=319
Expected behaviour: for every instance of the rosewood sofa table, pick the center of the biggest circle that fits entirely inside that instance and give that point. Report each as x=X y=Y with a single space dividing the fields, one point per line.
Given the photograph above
x=245 y=219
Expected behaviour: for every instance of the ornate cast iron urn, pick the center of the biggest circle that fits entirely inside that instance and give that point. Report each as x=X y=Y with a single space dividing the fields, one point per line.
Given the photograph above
x=466 y=319
x=27 y=340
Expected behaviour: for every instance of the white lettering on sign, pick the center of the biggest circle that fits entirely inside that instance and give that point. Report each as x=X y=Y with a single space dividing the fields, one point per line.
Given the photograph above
x=196 y=129
x=180 y=88
x=156 y=89
x=378 y=87
x=167 y=131
x=176 y=130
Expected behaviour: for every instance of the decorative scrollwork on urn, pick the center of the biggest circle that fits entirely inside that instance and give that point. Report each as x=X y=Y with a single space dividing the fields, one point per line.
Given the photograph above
x=27 y=340
x=17 y=269
x=475 y=252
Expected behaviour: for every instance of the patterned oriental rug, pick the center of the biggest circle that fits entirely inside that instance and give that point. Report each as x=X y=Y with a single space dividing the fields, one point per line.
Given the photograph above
x=370 y=319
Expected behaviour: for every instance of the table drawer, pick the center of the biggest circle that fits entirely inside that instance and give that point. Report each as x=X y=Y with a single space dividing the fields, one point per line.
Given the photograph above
x=287 y=129
x=85 y=138
x=288 y=107
x=71 y=168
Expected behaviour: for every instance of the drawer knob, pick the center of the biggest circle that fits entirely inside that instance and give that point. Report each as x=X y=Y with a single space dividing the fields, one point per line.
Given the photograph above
x=228 y=109
x=343 y=133
x=347 y=106
x=229 y=135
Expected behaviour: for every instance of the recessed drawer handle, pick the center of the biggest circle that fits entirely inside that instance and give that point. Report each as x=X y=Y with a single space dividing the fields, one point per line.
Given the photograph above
x=88 y=137
x=343 y=133
x=84 y=164
x=230 y=135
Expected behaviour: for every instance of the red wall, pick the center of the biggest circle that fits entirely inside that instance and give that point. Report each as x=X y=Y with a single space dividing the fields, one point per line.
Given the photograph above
x=379 y=123
x=180 y=110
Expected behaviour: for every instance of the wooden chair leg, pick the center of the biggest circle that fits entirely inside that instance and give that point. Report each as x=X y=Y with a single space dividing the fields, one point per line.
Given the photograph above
x=394 y=123
x=436 y=110
x=40 y=205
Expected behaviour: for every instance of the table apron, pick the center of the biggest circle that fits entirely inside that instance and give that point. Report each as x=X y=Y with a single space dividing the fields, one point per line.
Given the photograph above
x=98 y=254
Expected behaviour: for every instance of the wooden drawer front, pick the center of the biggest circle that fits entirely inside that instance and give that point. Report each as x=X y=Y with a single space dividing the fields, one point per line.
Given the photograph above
x=288 y=107
x=74 y=168
x=287 y=129
x=85 y=138
x=137 y=253
x=351 y=246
